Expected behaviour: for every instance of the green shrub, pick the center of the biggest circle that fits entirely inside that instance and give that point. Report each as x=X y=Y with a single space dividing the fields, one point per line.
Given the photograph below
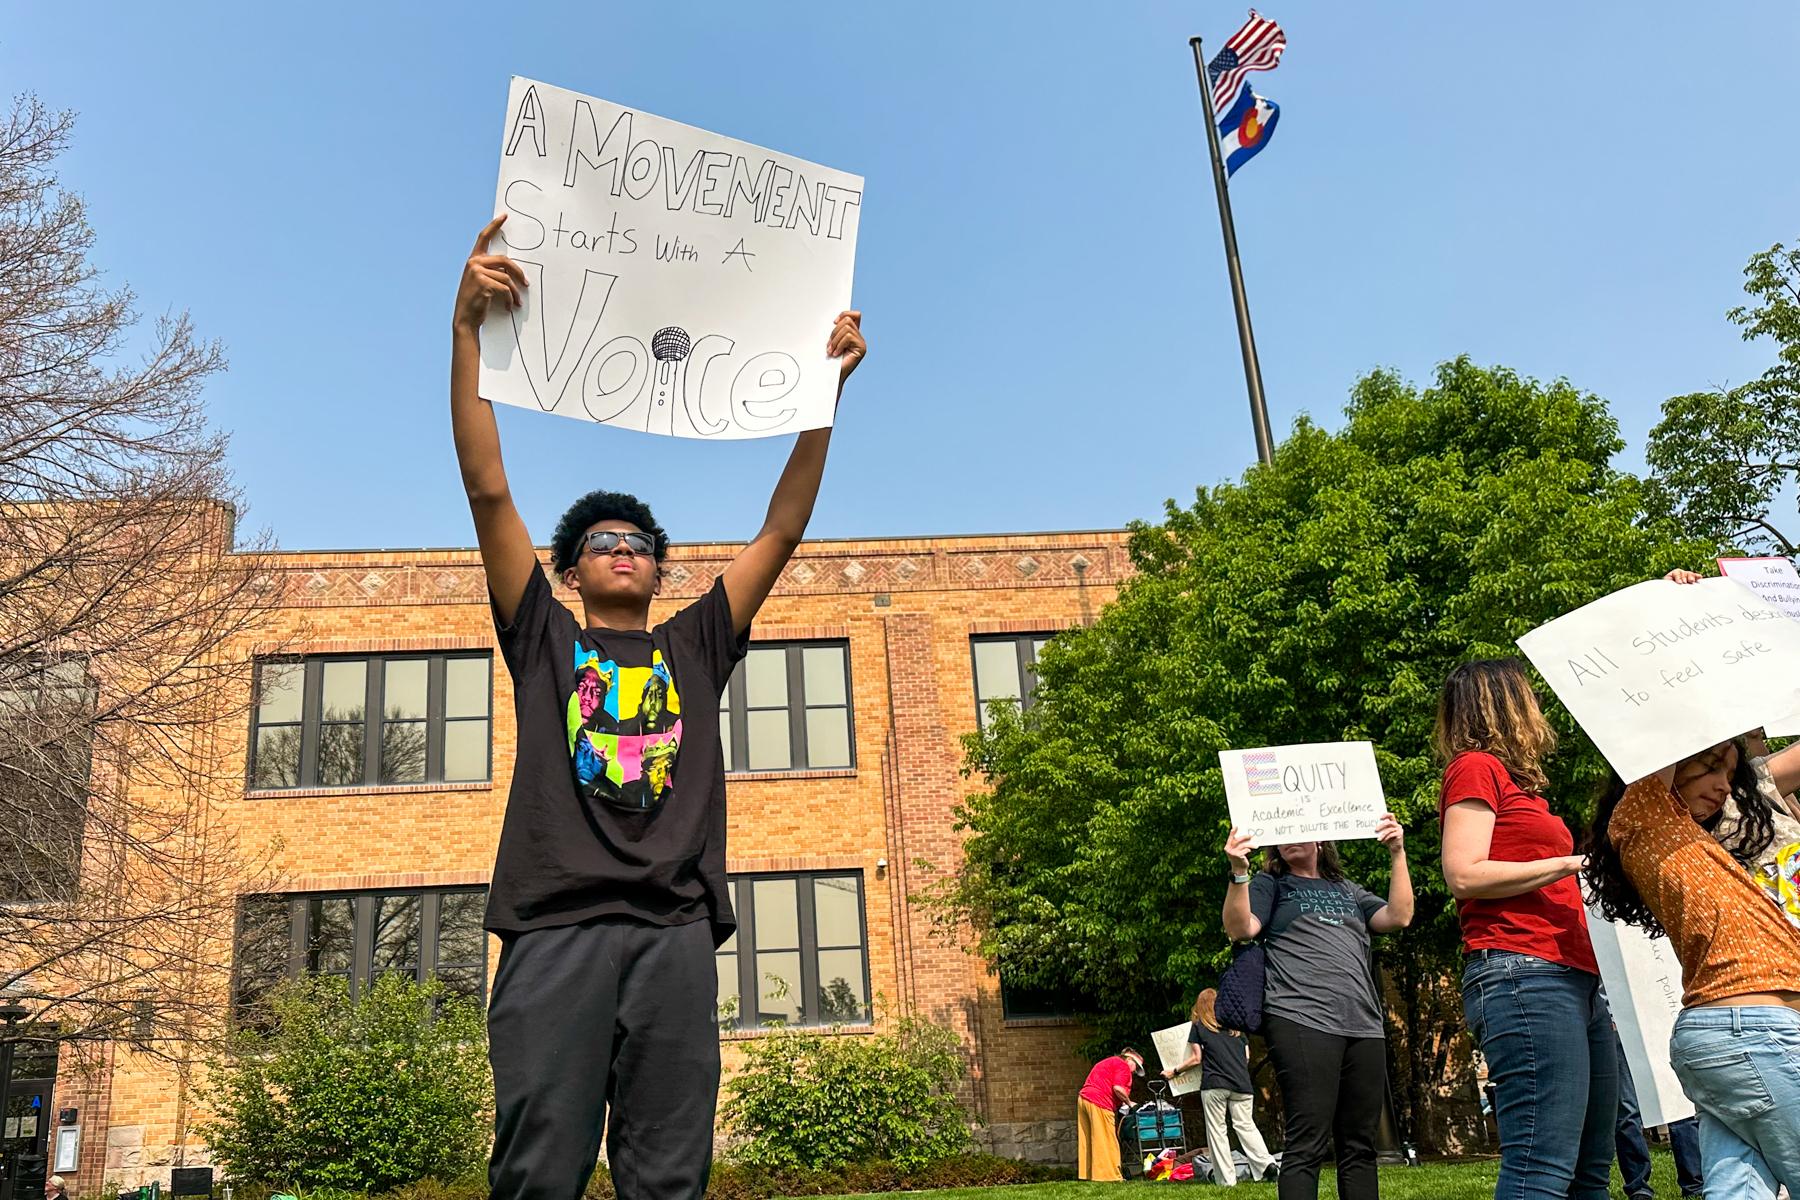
x=364 y=1095
x=807 y=1099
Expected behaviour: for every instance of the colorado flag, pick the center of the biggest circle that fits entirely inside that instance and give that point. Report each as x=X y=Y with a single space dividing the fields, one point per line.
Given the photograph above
x=1246 y=129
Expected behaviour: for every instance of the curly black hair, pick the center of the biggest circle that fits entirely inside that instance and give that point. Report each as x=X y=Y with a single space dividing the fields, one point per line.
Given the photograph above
x=590 y=510
x=1604 y=876
x=1603 y=879
x=1754 y=832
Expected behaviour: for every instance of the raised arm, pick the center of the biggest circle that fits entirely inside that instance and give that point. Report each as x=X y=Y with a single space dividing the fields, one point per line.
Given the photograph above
x=1398 y=913
x=506 y=551
x=1240 y=923
x=752 y=574
x=1472 y=875
x=1784 y=769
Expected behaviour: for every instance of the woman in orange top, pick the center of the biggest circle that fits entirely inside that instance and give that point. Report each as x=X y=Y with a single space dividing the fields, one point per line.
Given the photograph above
x=1736 y=1045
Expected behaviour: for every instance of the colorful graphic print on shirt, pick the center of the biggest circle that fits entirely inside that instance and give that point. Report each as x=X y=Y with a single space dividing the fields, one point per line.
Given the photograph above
x=624 y=730
x=1779 y=876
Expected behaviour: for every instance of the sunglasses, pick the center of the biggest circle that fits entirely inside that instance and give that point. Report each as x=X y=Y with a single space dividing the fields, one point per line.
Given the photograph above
x=603 y=541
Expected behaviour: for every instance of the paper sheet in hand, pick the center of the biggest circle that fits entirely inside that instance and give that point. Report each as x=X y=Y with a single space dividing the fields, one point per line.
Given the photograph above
x=1324 y=791
x=1172 y=1048
x=1659 y=671
x=1643 y=986
x=681 y=282
x=1775 y=580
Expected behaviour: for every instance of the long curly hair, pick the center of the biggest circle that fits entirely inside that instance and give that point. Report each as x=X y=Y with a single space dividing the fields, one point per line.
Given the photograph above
x=1603 y=879
x=1489 y=706
x=1747 y=838
x=1744 y=825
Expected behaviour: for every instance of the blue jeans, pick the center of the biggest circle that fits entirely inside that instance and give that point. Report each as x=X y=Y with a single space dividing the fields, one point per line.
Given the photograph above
x=1741 y=1068
x=1547 y=1036
x=1634 y=1151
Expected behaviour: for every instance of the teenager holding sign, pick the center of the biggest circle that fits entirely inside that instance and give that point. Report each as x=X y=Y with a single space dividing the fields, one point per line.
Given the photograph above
x=1746 y=801
x=1736 y=1045
x=609 y=891
x=1531 y=986
x=1323 y=1008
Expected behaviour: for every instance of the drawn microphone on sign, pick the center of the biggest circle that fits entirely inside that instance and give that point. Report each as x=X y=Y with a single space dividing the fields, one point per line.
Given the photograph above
x=670 y=346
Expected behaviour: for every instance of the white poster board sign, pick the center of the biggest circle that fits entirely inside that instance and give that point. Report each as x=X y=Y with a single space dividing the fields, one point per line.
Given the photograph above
x=1325 y=791
x=1774 y=579
x=1172 y=1048
x=681 y=282
x=1777 y=581
x=1659 y=670
x=1643 y=986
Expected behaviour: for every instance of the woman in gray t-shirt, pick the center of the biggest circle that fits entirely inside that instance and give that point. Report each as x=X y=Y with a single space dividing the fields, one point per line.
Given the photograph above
x=1322 y=1013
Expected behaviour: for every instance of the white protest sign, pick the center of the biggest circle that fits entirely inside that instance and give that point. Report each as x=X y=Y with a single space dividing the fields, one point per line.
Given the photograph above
x=1643 y=988
x=1172 y=1048
x=1327 y=791
x=681 y=282
x=1775 y=580
x=1659 y=670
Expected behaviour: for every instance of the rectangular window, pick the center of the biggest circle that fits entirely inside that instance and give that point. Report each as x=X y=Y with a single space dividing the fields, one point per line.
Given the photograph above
x=1005 y=669
x=800 y=953
x=788 y=706
x=385 y=719
x=359 y=937
x=46 y=759
x=1035 y=1003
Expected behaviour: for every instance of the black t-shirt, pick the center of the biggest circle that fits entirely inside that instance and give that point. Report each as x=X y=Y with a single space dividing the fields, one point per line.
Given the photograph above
x=618 y=792
x=1224 y=1059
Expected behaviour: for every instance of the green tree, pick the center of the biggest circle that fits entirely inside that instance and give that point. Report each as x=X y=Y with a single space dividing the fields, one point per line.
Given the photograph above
x=1322 y=597
x=811 y=1099
x=364 y=1094
x=1722 y=460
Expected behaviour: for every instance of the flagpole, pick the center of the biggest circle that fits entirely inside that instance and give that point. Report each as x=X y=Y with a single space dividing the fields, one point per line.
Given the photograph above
x=1259 y=409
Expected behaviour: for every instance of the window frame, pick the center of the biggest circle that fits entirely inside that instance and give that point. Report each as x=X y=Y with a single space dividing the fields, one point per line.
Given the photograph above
x=363 y=905
x=735 y=701
x=39 y=682
x=374 y=719
x=806 y=913
x=1025 y=648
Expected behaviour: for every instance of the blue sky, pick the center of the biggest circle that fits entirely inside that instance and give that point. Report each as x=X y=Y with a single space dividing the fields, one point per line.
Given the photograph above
x=1568 y=189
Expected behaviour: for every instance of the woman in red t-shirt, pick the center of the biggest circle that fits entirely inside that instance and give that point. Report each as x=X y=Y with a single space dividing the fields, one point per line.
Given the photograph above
x=1531 y=988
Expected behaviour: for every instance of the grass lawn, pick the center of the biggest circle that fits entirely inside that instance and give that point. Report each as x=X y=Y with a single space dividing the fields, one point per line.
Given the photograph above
x=1451 y=1181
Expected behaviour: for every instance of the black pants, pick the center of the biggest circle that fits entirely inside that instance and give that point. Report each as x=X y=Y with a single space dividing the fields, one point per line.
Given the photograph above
x=611 y=1012
x=1332 y=1092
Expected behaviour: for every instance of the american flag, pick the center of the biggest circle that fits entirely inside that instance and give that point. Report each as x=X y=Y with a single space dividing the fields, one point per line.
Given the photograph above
x=1255 y=47
x=1261 y=773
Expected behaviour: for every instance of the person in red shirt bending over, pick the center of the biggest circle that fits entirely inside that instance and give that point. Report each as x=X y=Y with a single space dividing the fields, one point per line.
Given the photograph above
x=1531 y=988
x=1108 y=1086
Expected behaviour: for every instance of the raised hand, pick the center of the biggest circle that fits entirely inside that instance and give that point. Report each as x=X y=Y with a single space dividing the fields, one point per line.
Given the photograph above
x=846 y=343
x=1237 y=851
x=485 y=278
x=1389 y=833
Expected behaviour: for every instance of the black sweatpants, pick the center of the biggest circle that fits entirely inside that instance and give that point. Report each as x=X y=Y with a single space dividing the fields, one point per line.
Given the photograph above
x=1332 y=1092
x=612 y=1012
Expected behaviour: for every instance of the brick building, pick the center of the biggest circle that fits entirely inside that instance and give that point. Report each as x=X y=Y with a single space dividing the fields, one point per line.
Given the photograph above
x=377 y=757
